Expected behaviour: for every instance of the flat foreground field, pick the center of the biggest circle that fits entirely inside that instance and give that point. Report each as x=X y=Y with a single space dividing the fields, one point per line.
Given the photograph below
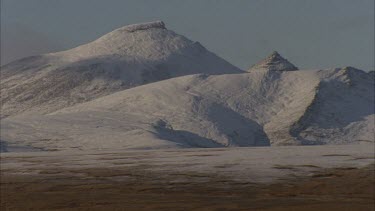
x=276 y=178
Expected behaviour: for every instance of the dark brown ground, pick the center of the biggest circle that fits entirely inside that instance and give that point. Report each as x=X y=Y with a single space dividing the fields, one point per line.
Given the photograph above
x=129 y=189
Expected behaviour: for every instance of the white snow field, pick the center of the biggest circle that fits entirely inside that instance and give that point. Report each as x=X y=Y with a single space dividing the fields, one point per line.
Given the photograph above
x=126 y=57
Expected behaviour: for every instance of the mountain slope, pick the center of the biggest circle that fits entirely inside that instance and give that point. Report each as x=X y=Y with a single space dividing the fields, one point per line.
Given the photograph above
x=127 y=57
x=344 y=104
x=259 y=108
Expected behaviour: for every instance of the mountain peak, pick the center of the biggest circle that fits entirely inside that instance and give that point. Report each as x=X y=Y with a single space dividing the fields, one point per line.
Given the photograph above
x=275 y=54
x=141 y=41
x=129 y=56
x=144 y=26
x=275 y=62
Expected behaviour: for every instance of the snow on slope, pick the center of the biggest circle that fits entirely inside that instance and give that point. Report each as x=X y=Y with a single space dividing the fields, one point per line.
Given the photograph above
x=258 y=108
x=344 y=104
x=126 y=57
x=274 y=62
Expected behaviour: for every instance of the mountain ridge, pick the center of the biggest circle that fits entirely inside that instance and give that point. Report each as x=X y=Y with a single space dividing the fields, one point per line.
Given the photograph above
x=259 y=108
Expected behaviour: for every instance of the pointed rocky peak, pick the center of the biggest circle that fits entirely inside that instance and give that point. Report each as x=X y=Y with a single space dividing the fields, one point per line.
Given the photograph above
x=275 y=55
x=275 y=62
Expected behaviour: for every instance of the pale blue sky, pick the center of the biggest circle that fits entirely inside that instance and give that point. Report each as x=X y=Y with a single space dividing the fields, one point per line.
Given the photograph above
x=310 y=33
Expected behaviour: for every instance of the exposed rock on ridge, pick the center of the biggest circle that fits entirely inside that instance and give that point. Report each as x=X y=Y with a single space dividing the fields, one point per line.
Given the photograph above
x=144 y=26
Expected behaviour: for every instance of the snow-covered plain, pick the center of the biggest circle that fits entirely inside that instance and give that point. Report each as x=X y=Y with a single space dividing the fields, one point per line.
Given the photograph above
x=244 y=164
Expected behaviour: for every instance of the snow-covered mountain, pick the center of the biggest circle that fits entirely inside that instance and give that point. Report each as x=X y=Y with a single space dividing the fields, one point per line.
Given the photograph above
x=90 y=97
x=259 y=108
x=126 y=57
x=274 y=62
